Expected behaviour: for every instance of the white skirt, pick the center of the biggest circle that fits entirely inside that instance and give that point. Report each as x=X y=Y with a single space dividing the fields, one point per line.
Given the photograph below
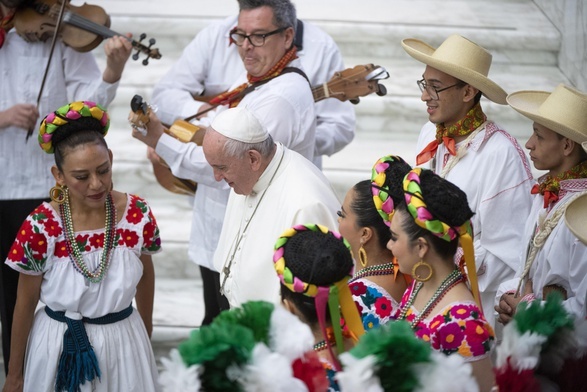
x=123 y=349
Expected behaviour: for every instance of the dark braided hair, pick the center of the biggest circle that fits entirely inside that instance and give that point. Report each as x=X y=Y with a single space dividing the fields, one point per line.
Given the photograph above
x=316 y=258
x=447 y=203
x=84 y=130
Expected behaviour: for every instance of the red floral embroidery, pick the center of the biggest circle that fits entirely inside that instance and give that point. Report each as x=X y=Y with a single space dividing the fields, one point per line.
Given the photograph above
x=383 y=307
x=38 y=245
x=42 y=213
x=97 y=240
x=135 y=215
x=25 y=232
x=128 y=238
x=60 y=249
x=148 y=232
x=17 y=253
x=52 y=228
x=358 y=288
x=82 y=242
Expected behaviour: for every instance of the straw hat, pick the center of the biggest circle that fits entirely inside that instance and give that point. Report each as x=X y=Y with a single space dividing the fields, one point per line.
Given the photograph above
x=460 y=58
x=563 y=111
x=576 y=217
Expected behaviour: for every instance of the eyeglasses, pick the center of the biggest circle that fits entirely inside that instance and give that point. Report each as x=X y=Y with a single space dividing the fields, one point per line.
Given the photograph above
x=254 y=39
x=433 y=91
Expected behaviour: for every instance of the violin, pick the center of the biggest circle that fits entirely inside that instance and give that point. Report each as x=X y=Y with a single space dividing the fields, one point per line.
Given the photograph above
x=83 y=27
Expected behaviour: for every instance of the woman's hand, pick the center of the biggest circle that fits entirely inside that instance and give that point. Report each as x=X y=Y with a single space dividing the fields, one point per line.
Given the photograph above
x=13 y=383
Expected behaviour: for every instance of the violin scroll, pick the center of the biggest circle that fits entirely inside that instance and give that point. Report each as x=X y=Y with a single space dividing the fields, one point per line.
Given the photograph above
x=151 y=53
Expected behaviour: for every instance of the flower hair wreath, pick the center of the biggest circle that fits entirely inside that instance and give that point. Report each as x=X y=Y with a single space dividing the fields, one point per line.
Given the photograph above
x=425 y=219
x=381 y=197
x=67 y=113
x=337 y=296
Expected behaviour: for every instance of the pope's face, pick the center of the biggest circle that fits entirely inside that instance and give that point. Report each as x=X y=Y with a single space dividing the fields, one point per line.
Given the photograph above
x=238 y=172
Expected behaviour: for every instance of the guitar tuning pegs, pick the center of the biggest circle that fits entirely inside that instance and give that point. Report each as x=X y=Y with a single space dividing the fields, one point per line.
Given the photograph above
x=142 y=37
x=355 y=101
x=381 y=90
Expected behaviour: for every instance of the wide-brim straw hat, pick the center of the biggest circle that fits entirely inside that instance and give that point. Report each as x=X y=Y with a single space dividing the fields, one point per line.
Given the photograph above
x=576 y=217
x=460 y=58
x=564 y=110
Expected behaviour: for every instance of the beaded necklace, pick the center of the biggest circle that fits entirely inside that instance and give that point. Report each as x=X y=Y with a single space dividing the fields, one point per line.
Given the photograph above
x=447 y=284
x=373 y=270
x=320 y=346
x=73 y=250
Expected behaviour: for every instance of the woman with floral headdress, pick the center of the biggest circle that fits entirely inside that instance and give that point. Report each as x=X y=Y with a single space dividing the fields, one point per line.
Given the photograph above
x=86 y=255
x=314 y=266
x=377 y=284
x=427 y=228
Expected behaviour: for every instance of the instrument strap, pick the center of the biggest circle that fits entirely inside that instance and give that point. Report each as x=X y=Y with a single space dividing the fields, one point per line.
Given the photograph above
x=251 y=88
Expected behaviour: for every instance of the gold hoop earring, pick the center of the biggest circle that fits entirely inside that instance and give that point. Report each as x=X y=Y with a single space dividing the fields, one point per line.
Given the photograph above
x=58 y=194
x=363 y=257
x=418 y=276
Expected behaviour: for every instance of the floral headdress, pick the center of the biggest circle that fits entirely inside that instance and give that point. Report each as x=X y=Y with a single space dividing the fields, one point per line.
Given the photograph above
x=391 y=358
x=381 y=192
x=426 y=220
x=256 y=348
x=67 y=113
x=543 y=334
x=337 y=296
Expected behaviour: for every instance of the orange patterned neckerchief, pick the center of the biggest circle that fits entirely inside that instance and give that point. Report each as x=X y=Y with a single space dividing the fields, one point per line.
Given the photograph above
x=233 y=97
x=472 y=120
x=550 y=187
x=5 y=25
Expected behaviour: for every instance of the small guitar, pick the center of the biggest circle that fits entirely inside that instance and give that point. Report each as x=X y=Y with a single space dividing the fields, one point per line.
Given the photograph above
x=347 y=85
x=182 y=130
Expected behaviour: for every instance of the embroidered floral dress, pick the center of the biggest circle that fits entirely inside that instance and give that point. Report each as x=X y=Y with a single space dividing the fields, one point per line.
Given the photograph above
x=375 y=304
x=123 y=348
x=458 y=328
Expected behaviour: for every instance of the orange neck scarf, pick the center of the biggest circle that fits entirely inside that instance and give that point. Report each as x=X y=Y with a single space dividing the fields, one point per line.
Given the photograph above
x=233 y=97
x=472 y=120
x=550 y=187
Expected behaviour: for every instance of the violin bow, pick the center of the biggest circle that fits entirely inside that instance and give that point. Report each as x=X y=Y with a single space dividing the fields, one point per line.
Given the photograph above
x=53 y=42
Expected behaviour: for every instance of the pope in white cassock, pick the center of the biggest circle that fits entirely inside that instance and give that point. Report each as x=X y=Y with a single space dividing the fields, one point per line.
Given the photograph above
x=273 y=188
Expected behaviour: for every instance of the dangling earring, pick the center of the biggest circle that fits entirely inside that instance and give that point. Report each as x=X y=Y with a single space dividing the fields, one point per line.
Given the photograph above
x=363 y=256
x=58 y=194
x=419 y=276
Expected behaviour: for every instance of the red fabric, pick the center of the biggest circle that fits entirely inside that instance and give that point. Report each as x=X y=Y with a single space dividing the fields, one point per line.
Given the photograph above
x=509 y=379
x=549 y=197
x=309 y=369
x=430 y=150
x=5 y=26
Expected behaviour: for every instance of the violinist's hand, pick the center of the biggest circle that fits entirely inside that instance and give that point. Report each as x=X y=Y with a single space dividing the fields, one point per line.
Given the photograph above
x=117 y=51
x=154 y=131
x=22 y=115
